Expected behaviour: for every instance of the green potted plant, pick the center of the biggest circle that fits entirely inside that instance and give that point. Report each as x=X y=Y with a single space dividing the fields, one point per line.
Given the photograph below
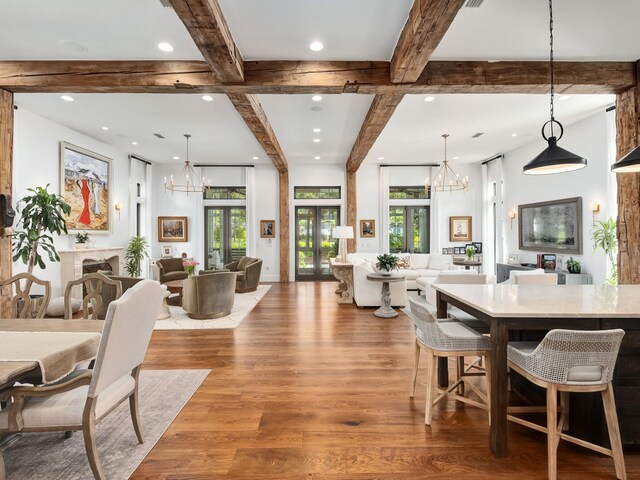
x=82 y=240
x=135 y=253
x=41 y=216
x=573 y=266
x=386 y=263
x=603 y=236
x=470 y=252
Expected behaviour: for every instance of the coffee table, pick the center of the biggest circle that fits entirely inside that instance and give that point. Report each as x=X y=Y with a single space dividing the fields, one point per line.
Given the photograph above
x=385 y=310
x=175 y=286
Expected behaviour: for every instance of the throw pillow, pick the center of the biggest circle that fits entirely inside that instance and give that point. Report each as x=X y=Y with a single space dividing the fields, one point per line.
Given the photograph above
x=440 y=262
x=56 y=307
x=404 y=261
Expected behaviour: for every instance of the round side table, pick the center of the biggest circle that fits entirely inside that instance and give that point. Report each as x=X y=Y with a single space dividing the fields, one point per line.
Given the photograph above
x=385 y=310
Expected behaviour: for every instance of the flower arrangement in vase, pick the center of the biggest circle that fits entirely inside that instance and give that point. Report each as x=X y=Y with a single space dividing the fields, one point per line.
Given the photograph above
x=190 y=266
x=470 y=252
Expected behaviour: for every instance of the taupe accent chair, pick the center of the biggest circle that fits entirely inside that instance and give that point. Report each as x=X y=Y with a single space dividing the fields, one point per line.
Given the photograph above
x=101 y=291
x=83 y=398
x=446 y=339
x=209 y=295
x=171 y=269
x=571 y=361
x=248 y=270
x=22 y=305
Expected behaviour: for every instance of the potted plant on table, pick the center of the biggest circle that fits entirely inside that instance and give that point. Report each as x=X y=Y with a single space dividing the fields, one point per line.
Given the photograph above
x=82 y=240
x=41 y=216
x=470 y=252
x=135 y=253
x=386 y=263
x=573 y=266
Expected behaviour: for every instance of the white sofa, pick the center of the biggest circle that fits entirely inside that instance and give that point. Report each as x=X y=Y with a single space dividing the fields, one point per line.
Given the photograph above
x=367 y=293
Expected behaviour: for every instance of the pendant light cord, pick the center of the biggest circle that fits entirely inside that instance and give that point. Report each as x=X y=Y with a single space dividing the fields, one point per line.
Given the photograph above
x=551 y=61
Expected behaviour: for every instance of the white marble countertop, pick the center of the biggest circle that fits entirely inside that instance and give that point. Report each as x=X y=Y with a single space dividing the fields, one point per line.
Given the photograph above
x=588 y=301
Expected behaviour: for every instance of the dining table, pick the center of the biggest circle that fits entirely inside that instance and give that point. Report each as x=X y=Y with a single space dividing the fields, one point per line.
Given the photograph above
x=506 y=308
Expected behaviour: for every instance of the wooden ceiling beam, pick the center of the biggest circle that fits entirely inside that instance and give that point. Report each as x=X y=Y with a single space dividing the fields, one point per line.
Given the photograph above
x=428 y=21
x=379 y=113
x=249 y=107
x=299 y=77
x=208 y=28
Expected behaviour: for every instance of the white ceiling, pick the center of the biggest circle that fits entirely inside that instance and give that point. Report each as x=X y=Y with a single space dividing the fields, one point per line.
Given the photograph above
x=293 y=122
x=109 y=30
x=219 y=133
x=414 y=133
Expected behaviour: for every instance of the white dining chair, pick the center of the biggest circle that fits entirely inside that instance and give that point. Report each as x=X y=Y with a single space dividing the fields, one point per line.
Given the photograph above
x=80 y=400
x=571 y=361
x=446 y=339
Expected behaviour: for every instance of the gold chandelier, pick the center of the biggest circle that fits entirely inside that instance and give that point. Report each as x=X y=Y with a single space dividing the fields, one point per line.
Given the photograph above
x=191 y=180
x=446 y=179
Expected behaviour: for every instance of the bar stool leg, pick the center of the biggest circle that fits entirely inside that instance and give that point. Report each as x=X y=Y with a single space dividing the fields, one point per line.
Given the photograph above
x=414 y=373
x=487 y=371
x=460 y=372
x=614 y=431
x=431 y=382
x=552 y=427
x=564 y=416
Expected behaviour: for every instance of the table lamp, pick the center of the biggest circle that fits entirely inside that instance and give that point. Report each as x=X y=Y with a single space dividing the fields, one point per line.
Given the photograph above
x=342 y=233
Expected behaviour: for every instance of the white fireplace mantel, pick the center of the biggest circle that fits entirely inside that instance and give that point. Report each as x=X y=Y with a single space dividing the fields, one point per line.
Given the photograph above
x=71 y=262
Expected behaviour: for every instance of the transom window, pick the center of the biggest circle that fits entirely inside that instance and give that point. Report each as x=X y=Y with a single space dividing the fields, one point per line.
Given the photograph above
x=408 y=193
x=225 y=193
x=316 y=193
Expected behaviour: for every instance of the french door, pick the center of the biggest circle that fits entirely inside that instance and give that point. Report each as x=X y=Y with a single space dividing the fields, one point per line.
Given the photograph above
x=315 y=242
x=409 y=229
x=225 y=236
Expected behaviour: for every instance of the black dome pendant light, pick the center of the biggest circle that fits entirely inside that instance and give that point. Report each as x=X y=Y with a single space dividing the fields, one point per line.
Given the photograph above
x=553 y=159
x=630 y=163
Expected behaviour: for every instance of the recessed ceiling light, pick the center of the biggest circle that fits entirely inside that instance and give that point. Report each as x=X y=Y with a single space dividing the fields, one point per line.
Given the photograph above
x=175 y=157
x=134 y=143
x=562 y=98
x=316 y=46
x=380 y=158
x=456 y=158
x=165 y=47
x=254 y=158
x=316 y=130
x=316 y=98
x=105 y=128
x=67 y=98
x=207 y=98
x=317 y=157
x=514 y=134
x=429 y=99
x=316 y=140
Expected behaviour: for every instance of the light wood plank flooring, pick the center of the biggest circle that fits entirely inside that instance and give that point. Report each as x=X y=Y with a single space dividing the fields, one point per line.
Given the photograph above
x=309 y=389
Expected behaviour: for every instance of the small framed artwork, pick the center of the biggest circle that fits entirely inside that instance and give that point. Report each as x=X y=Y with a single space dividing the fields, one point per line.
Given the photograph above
x=477 y=246
x=167 y=252
x=450 y=250
x=513 y=259
x=367 y=228
x=172 y=229
x=456 y=250
x=267 y=229
x=444 y=251
x=460 y=229
x=85 y=184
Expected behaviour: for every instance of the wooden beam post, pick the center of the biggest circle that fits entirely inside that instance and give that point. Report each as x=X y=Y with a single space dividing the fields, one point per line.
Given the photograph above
x=284 y=226
x=628 y=231
x=352 y=210
x=6 y=186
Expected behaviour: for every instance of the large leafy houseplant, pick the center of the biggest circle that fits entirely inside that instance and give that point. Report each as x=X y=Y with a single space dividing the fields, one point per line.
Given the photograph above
x=387 y=262
x=42 y=214
x=134 y=255
x=603 y=236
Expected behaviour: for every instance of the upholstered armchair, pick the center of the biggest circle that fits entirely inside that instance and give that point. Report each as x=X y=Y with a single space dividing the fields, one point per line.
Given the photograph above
x=171 y=269
x=248 y=270
x=209 y=295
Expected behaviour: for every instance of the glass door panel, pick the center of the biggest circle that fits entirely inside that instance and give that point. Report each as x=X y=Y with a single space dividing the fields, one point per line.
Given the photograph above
x=238 y=231
x=396 y=229
x=214 y=241
x=419 y=217
x=305 y=252
x=329 y=218
x=409 y=229
x=314 y=242
x=225 y=235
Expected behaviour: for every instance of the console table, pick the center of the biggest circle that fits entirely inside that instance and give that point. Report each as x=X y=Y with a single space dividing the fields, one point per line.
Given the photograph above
x=564 y=278
x=343 y=271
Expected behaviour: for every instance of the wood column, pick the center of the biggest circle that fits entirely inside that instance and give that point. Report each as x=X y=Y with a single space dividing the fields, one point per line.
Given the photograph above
x=284 y=226
x=352 y=210
x=6 y=185
x=628 y=231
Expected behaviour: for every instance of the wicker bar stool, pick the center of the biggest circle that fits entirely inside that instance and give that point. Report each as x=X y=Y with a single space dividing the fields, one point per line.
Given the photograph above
x=571 y=361
x=446 y=339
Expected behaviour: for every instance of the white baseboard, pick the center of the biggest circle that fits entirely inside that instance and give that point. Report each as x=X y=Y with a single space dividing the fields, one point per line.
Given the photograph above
x=269 y=278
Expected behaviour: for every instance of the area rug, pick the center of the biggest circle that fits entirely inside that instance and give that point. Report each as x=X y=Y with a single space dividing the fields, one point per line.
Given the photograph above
x=243 y=303
x=49 y=456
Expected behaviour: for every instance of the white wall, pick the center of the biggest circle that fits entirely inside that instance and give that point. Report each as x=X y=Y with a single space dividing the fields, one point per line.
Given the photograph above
x=588 y=138
x=36 y=162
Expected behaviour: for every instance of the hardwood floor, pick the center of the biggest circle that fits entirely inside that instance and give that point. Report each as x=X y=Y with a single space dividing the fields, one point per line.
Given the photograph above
x=309 y=389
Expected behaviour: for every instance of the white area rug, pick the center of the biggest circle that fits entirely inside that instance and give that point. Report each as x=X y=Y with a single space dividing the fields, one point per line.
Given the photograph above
x=242 y=305
x=49 y=456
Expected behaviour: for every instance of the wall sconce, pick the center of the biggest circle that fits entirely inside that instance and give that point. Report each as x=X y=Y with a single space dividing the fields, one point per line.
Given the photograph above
x=595 y=209
x=118 y=207
x=512 y=216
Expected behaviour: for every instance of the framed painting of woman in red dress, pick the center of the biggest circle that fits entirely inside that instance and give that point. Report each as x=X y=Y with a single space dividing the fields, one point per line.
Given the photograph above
x=85 y=184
